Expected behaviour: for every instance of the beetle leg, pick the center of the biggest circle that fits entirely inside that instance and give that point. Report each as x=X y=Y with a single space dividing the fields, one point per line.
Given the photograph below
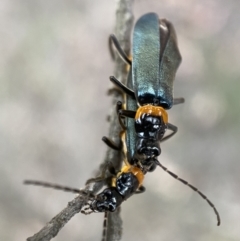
x=174 y=130
x=127 y=113
x=111 y=143
x=123 y=87
x=113 y=40
x=140 y=190
x=179 y=100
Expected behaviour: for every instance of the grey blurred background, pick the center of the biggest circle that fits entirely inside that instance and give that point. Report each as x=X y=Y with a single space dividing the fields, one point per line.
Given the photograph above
x=54 y=73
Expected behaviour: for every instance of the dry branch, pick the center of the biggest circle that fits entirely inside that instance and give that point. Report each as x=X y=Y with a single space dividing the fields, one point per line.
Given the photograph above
x=124 y=20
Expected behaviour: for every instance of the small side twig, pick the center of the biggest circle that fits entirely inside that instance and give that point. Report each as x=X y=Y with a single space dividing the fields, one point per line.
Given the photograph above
x=124 y=20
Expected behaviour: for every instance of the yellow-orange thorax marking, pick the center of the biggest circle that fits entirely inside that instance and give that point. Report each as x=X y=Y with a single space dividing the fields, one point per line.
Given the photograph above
x=152 y=110
x=137 y=172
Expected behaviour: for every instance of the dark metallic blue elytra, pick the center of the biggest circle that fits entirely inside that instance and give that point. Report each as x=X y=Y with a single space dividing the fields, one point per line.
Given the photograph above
x=130 y=134
x=133 y=142
x=155 y=61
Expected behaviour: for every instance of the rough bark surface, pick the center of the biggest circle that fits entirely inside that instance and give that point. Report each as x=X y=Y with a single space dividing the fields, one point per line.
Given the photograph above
x=124 y=20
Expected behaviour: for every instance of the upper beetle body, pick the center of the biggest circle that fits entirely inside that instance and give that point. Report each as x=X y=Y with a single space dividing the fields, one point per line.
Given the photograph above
x=149 y=90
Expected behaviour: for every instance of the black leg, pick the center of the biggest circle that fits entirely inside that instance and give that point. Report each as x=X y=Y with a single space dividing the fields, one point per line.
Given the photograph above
x=118 y=109
x=173 y=129
x=123 y=87
x=127 y=113
x=113 y=40
x=113 y=90
x=177 y=101
x=140 y=190
x=111 y=144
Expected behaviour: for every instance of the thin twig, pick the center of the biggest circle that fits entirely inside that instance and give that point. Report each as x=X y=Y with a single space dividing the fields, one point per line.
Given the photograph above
x=124 y=20
x=51 y=229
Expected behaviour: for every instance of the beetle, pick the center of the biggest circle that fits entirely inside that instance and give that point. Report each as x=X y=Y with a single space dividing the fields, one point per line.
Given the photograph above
x=152 y=110
x=155 y=59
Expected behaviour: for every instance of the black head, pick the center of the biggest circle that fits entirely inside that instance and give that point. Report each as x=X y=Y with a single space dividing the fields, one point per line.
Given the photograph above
x=108 y=200
x=147 y=148
x=150 y=127
x=150 y=164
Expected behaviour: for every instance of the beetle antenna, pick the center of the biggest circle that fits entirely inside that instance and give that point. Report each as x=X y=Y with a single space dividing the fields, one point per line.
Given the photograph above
x=194 y=189
x=105 y=226
x=55 y=186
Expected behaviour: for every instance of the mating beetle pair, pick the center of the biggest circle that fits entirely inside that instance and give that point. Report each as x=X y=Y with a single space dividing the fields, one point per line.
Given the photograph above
x=149 y=93
x=150 y=85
